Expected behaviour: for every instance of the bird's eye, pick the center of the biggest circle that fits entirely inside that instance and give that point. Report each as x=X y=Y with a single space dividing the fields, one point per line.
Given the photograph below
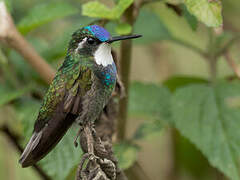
x=91 y=41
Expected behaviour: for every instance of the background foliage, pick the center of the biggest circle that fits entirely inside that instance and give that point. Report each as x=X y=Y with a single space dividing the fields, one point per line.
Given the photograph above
x=184 y=98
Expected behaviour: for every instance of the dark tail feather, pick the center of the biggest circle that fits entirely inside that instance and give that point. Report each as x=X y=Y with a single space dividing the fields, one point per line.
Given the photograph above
x=33 y=142
x=42 y=142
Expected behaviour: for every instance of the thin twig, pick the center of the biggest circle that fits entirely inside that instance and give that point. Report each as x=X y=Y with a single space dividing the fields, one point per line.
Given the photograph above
x=189 y=46
x=213 y=69
x=99 y=161
x=229 y=44
x=232 y=64
x=13 y=138
x=11 y=36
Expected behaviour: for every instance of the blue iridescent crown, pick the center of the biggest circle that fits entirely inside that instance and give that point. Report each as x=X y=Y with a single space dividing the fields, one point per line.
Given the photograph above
x=98 y=32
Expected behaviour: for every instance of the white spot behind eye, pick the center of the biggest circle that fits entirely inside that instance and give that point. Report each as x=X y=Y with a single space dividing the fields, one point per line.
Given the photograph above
x=103 y=55
x=80 y=45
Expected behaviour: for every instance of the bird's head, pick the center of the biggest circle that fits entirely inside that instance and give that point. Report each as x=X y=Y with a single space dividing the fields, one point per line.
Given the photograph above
x=94 y=39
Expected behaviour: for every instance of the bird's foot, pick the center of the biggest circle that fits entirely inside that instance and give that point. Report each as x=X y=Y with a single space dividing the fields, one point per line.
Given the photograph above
x=93 y=167
x=88 y=130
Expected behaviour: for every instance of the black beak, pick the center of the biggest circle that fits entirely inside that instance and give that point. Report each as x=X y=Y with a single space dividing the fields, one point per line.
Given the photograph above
x=118 y=38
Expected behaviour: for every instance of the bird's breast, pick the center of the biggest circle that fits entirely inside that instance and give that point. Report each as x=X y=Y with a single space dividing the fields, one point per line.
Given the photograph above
x=107 y=75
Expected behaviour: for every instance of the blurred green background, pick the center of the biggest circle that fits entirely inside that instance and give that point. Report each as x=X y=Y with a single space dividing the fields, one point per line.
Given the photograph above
x=156 y=58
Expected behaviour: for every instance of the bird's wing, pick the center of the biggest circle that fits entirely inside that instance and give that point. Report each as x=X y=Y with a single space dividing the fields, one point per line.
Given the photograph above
x=61 y=106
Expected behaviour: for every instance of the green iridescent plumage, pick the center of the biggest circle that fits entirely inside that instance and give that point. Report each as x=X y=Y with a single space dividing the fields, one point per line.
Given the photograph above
x=71 y=75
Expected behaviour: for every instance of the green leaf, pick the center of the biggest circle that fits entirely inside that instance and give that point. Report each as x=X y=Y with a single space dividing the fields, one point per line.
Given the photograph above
x=179 y=81
x=152 y=102
x=185 y=149
x=44 y=13
x=175 y=2
x=192 y=20
x=8 y=94
x=22 y=68
x=116 y=1
x=27 y=112
x=64 y=157
x=209 y=118
x=149 y=99
x=23 y=71
x=9 y=77
x=126 y=154
x=209 y=12
x=121 y=7
x=123 y=28
x=151 y=27
x=99 y=10
x=148 y=130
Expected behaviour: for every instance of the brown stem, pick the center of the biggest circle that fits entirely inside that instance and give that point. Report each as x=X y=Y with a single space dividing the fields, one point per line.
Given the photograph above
x=125 y=62
x=13 y=138
x=11 y=36
x=130 y=16
x=228 y=45
x=213 y=69
x=232 y=64
x=210 y=57
x=189 y=46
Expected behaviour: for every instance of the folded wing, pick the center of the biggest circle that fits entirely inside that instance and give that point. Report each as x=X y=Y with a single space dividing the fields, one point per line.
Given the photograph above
x=61 y=106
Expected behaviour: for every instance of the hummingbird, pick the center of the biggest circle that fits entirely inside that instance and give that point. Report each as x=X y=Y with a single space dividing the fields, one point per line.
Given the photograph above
x=79 y=91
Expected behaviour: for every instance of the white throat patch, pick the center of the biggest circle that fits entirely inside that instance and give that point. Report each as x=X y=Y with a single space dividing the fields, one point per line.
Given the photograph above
x=103 y=55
